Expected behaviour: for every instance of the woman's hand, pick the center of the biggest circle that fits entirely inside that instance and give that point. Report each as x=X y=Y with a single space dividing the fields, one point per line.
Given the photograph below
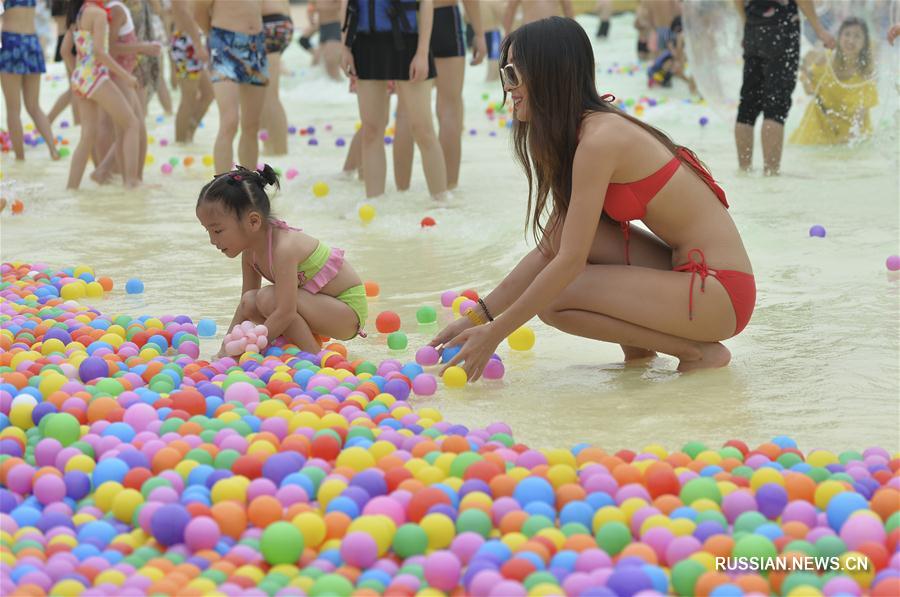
x=478 y=345
x=347 y=64
x=451 y=331
x=418 y=68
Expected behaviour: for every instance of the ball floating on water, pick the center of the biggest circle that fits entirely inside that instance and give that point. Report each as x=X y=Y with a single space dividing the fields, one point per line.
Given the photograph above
x=149 y=159
x=427 y=356
x=339 y=142
x=292 y=130
x=426 y=315
x=388 y=140
x=320 y=189
x=206 y=328
x=521 y=339
x=291 y=173
x=893 y=263
x=427 y=222
x=703 y=121
x=366 y=213
x=387 y=322
x=134 y=286
x=166 y=168
x=263 y=135
x=447 y=297
x=163 y=142
x=64 y=124
x=17 y=206
x=455 y=377
x=372 y=288
x=64 y=152
x=397 y=341
x=208 y=160
x=188 y=161
x=494 y=369
x=313 y=142
x=424 y=384
x=817 y=231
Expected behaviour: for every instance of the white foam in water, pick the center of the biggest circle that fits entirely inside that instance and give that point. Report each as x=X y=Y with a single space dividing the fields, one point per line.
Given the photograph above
x=714 y=34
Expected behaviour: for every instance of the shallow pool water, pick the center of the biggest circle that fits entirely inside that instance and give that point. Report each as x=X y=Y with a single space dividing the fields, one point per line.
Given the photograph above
x=819 y=360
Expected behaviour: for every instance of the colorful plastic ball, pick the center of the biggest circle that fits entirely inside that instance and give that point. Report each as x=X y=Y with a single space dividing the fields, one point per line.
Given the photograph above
x=91 y=368
x=328 y=585
x=202 y=533
x=817 y=231
x=166 y=168
x=704 y=121
x=208 y=160
x=168 y=524
x=281 y=543
x=313 y=142
x=521 y=339
x=427 y=222
x=62 y=427
x=134 y=286
x=64 y=152
x=442 y=570
x=426 y=315
x=397 y=341
x=206 y=328
x=427 y=356
x=387 y=322
x=359 y=549
x=372 y=288
x=455 y=377
x=447 y=298
x=320 y=189
x=291 y=173
x=263 y=135
x=494 y=369
x=893 y=263
x=339 y=142
x=49 y=489
x=424 y=384
x=366 y=213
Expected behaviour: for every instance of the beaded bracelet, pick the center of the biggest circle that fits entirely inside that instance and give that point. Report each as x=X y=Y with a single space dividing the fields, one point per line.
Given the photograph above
x=486 y=312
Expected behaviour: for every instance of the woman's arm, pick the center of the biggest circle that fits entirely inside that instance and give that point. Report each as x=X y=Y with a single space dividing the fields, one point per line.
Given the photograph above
x=99 y=30
x=591 y=172
x=418 y=68
x=191 y=22
x=510 y=16
x=66 y=50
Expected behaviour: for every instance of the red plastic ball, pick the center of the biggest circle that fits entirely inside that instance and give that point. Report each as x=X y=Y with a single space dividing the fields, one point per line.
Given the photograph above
x=387 y=322
x=428 y=221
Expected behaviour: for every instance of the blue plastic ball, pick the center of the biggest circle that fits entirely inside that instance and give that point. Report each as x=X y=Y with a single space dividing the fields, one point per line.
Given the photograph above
x=134 y=286
x=206 y=328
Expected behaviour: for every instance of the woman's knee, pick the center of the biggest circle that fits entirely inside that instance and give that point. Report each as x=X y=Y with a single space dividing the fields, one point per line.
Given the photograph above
x=373 y=128
x=248 y=301
x=228 y=123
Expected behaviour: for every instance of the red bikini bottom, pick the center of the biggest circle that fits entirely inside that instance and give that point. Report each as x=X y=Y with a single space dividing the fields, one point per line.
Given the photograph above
x=741 y=287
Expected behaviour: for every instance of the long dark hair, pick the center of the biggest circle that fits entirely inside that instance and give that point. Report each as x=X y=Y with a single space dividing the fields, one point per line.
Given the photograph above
x=241 y=190
x=864 y=60
x=556 y=61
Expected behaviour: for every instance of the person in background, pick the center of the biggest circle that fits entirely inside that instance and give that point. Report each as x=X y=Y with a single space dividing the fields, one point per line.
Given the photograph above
x=771 y=57
x=279 y=29
x=843 y=87
x=21 y=67
x=604 y=13
x=535 y=10
x=189 y=60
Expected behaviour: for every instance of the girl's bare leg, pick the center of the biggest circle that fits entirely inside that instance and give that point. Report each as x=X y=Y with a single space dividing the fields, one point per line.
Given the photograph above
x=12 y=93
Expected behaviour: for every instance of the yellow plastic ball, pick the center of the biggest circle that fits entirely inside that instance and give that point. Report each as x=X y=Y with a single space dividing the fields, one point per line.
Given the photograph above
x=521 y=339
x=359 y=459
x=149 y=159
x=366 y=213
x=125 y=503
x=94 y=290
x=457 y=304
x=20 y=414
x=208 y=160
x=52 y=381
x=312 y=527
x=72 y=290
x=440 y=530
x=106 y=494
x=825 y=491
x=83 y=269
x=455 y=377
x=320 y=189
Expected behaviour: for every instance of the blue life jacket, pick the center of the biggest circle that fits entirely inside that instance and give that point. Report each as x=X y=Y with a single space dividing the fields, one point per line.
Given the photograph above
x=381 y=16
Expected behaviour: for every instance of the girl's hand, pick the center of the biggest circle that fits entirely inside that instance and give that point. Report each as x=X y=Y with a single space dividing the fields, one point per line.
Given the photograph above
x=451 y=331
x=478 y=345
x=418 y=68
x=347 y=64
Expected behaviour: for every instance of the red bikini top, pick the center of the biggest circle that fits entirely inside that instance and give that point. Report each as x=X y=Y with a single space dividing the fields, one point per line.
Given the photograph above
x=628 y=201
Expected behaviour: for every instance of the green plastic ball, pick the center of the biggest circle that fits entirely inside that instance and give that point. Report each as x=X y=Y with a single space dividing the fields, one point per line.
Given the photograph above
x=613 y=537
x=397 y=341
x=410 y=540
x=281 y=543
x=63 y=427
x=700 y=488
x=426 y=315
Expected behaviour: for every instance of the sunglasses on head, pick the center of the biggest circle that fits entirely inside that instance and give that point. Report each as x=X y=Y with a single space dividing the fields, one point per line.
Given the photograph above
x=509 y=75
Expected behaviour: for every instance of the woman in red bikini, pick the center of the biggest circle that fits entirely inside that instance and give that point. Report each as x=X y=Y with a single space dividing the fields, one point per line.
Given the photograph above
x=592 y=168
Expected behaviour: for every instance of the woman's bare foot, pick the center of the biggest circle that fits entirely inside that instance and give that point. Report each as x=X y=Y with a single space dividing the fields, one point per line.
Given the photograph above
x=712 y=354
x=634 y=354
x=100 y=178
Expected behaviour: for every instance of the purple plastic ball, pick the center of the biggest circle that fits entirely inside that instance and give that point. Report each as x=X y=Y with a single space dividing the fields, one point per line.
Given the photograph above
x=92 y=368
x=817 y=230
x=359 y=549
x=442 y=570
x=168 y=524
x=893 y=263
x=340 y=142
x=704 y=121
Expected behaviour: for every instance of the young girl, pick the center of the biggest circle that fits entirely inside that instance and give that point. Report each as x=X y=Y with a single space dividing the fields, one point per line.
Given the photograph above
x=94 y=90
x=21 y=65
x=313 y=290
x=843 y=89
x=678 y=290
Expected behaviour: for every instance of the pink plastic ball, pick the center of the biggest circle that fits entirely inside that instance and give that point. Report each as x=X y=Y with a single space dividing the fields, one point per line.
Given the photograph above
x=466 y=305
x=359 y=549
x=861 y=528
x=893 y=263
x=202 y=533
x=19 y=478
x=427 y=355
x=49 y=489
x=190 y=349
x=291 y=173
x=263 y=135
x=494 y=369
x=465 y=545
x=242 y=392
x=166 y=168
x=442 y=570
x=424 y=384
x=447 y=297
x=386 y=506
x=681 y=548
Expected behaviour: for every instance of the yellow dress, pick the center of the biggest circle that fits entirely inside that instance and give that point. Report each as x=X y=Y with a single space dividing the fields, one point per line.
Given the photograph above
x=839 y=110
